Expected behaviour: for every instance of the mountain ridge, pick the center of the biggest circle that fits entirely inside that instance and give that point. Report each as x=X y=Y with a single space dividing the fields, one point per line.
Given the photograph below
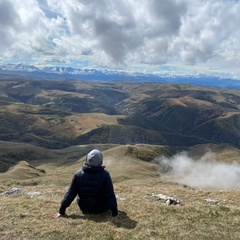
x=70 y=73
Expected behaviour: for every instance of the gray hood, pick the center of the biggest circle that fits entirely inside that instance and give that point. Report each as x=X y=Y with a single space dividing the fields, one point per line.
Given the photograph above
x=94 y=158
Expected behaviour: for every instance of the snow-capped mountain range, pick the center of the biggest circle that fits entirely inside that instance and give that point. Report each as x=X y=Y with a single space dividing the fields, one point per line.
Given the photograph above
x=57 y=72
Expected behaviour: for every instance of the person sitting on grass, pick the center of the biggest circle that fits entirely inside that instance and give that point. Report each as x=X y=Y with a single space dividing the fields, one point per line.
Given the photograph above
x=92 y=185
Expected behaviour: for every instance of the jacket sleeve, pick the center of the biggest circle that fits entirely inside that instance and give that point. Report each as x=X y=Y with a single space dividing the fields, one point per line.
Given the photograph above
x=70 y=195
x=109 y=193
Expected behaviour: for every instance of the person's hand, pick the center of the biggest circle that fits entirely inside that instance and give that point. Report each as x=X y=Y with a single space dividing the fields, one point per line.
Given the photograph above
x=118 y=214
x=56 y=215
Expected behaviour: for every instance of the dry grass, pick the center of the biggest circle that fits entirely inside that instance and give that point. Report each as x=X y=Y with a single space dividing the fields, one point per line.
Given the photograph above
x=23 y=217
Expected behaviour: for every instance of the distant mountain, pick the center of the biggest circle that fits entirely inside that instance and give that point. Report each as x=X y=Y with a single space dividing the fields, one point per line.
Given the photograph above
x=18 y=68
x=57 y=72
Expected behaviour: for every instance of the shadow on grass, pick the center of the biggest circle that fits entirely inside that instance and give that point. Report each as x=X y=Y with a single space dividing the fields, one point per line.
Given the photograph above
x=121 y=221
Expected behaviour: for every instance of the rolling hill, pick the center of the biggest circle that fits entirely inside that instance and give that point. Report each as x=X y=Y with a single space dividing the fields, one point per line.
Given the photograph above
x=48 y=126
x=58 y=114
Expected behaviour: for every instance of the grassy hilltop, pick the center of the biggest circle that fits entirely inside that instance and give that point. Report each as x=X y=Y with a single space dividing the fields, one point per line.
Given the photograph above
x=135 y=180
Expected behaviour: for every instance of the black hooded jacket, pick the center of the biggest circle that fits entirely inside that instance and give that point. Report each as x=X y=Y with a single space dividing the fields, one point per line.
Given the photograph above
x=94 y=188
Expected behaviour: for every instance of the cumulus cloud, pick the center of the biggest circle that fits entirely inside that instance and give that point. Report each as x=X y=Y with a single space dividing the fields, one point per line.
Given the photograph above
x=9 y=19
x=122 y=33
x=205 y=172
x=26 y=31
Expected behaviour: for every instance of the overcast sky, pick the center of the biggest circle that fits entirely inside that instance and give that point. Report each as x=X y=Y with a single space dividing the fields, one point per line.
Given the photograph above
x=143 y=35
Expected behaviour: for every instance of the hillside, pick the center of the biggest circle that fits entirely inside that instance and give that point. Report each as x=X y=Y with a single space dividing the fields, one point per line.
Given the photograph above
x=124 y=162
x=56 y=114
x=13 y=152
x=201 y=214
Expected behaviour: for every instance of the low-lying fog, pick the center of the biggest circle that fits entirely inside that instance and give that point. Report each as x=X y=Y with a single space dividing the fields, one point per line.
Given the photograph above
x=205 y=172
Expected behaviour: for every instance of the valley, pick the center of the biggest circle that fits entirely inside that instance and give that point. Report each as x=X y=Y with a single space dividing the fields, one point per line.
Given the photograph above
x=58 y=114
x=48 y=126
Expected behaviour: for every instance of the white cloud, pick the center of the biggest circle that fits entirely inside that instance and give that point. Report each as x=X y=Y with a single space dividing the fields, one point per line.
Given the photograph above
x=205 y=172
x=123 y=33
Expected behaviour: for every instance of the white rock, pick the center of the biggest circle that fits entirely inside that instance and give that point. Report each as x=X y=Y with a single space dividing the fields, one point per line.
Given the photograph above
x=167 y=199
x=34 y=194
x=11 y=192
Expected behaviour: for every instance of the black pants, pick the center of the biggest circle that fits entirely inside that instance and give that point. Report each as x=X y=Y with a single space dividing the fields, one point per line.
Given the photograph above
x=90 y=209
